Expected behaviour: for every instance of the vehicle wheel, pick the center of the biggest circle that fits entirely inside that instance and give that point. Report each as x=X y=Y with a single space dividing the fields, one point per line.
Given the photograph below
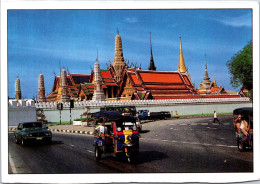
x=23 y=142
x=130 y=159
x=97 y=153
x=16 y=140
x=48 y=141
x=240 y=145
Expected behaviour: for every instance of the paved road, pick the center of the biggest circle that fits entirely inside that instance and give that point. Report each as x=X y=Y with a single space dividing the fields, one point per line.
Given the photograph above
x=167 y=146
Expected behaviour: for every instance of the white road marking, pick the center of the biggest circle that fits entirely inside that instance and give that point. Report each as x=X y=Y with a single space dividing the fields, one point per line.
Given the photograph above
x=193 y=143
x=13 y=168
x=90 y=151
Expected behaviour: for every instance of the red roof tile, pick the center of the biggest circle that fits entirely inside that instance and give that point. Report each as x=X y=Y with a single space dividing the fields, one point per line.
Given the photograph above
x=161 y=77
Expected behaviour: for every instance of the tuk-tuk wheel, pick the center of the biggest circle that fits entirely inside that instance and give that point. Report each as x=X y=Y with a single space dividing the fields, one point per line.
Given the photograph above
x=130 y=159
x=240 y=145
x=97 y=153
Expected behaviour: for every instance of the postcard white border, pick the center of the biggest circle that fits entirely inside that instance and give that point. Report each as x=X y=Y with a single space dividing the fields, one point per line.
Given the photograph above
x=150 y=177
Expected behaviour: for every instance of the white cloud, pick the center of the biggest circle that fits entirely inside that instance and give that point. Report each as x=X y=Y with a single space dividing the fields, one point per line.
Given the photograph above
x=131 y=19
x=239 y=21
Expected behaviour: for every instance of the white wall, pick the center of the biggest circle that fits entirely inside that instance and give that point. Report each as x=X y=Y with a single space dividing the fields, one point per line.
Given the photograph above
x=52 y=115
x=25 y=110
x=21 y=114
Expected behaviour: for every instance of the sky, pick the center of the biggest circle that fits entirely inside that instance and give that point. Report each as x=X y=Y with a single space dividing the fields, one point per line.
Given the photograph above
x=39 y=41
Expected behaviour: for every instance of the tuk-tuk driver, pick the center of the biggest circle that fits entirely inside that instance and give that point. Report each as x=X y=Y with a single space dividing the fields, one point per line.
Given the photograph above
x=238 y=122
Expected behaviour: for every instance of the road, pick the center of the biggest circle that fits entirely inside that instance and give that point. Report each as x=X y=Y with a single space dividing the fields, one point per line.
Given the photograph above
x=166 y=146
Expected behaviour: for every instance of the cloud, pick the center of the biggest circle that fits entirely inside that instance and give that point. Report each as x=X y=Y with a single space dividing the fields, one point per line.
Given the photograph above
x=239 y=21
x=131 y=20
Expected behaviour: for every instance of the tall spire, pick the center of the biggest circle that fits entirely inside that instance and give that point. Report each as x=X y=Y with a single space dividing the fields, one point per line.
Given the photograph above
x=64 y=88
x=205 y=85
x=98 y=90
x=118 y=62
x=181 y=66
x=214 y=82
x=152 y=66
x=97 y=57
x=41 y=88
x=18 y=93
x=206 y=76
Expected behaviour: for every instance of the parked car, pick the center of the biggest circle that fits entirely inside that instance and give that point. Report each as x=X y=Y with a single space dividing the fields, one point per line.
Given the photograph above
x=159 y=115
x=125 y=110
x=142 y=114
x=28 y=132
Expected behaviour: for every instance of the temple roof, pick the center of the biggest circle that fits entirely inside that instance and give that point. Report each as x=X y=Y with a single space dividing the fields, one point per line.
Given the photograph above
x=161 y=84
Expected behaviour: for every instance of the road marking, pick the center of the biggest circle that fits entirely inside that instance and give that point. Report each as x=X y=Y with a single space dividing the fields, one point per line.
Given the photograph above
x=90 y=151
x=194 y=143
x=13 y=168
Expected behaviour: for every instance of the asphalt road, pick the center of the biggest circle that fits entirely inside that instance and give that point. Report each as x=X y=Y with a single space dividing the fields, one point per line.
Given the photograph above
x=166 y=146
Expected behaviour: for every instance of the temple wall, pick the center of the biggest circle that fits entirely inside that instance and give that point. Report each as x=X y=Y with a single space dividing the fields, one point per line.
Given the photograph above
x=20 y=110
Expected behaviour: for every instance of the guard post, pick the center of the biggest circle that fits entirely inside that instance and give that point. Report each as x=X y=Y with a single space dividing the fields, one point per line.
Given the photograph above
x=71 y=106
x=60 y=107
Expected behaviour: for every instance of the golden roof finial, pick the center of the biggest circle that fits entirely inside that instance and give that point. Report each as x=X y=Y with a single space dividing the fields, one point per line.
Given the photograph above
x=181 y=67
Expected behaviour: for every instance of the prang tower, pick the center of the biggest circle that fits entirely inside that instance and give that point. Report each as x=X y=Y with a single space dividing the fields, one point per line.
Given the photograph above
x=18 y=94
x=118 y=62
x=98 y=90
x=41 y=89
x=64 y=87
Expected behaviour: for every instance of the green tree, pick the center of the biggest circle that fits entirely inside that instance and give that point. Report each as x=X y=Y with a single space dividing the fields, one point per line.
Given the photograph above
x=241 y=68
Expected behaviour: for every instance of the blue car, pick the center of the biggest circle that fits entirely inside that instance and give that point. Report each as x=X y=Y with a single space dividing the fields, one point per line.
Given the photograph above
x=28 y=132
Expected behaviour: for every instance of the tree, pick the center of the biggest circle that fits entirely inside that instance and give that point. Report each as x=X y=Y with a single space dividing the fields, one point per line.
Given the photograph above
x=241 y=68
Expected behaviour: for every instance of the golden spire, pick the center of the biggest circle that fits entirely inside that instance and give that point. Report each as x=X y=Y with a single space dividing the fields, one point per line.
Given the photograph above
x=181 y=66
x=118 y=62
x=214 y=82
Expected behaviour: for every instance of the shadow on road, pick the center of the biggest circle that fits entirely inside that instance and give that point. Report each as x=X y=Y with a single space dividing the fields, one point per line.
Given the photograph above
x=145 y=131
x=149 y=156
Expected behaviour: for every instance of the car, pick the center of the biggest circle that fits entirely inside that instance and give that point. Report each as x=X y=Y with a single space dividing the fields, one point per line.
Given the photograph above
x=143 y=114
x=28 y=132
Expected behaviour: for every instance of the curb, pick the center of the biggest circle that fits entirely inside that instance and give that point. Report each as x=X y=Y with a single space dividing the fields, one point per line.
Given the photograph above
x=63 y=131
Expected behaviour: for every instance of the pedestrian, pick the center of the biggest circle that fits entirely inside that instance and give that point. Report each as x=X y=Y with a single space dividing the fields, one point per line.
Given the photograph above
x=216 y=118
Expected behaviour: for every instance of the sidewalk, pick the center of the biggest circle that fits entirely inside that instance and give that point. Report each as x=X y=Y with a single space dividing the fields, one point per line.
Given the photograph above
x=77 y=129
x=72 y=129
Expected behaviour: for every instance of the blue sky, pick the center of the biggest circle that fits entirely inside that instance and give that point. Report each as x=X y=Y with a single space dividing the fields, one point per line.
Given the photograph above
x=39 y=39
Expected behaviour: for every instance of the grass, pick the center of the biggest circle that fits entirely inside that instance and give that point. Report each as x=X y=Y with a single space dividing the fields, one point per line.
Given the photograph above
x=209 y=114
x=58 y=123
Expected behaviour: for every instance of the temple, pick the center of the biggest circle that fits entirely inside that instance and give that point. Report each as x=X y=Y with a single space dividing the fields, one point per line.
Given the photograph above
x=122 y=82
x=208 y=87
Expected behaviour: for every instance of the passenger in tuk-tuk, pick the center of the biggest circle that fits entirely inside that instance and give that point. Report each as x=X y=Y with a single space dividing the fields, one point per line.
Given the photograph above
x=242 y=125
x=100 y=128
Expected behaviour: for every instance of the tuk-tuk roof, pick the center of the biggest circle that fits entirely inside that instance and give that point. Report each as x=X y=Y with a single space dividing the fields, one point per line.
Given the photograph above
x=246 y=111
x=113 y=116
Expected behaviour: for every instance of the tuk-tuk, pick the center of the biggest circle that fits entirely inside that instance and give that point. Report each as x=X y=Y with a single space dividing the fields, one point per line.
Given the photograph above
x=239 y=115
x=120 y=135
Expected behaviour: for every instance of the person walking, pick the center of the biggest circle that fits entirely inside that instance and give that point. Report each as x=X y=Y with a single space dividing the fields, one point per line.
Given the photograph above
x=216 y=118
